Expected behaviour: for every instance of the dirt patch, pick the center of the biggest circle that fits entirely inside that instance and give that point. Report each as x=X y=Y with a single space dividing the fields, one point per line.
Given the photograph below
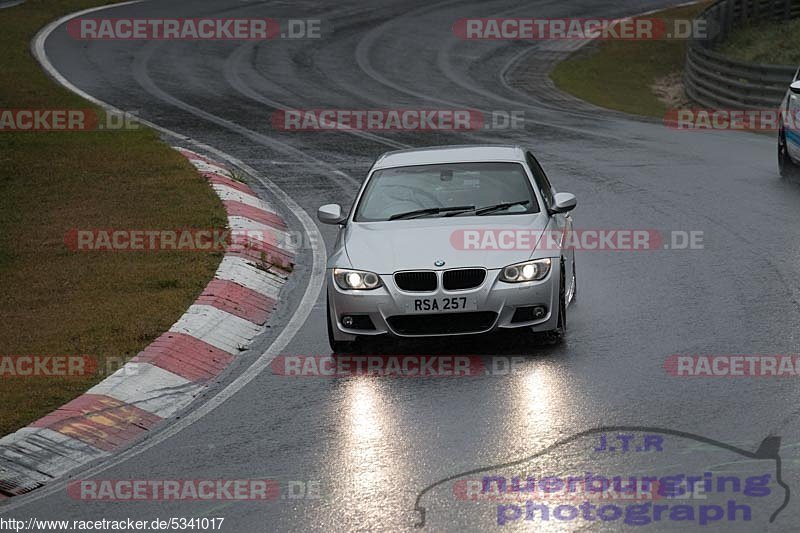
x=669 y=90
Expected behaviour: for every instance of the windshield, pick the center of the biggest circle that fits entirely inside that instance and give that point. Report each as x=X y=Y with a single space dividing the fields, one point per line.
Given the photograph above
x=453 y=189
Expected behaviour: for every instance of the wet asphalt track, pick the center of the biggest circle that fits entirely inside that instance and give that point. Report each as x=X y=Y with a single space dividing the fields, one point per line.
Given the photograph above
x=374 y=444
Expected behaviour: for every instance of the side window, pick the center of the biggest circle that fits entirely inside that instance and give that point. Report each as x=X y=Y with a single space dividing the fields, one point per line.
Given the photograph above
x=541 y=179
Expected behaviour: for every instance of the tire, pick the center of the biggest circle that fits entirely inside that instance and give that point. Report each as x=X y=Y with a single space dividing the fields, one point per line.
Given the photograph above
x=574 y=283
x=557 y=335
x=562 y=305
x=786 y=166
x=336 y=346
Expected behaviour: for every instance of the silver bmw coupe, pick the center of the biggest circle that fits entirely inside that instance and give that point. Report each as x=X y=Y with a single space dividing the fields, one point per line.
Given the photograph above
x=450 y=240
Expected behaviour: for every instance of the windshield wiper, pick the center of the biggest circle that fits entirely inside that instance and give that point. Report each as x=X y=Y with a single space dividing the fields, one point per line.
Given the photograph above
x=499 y=207
x=431 y=211
x=490 y=208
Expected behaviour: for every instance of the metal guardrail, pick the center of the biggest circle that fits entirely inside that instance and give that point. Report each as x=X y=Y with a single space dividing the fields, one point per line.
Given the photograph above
x=714 y=80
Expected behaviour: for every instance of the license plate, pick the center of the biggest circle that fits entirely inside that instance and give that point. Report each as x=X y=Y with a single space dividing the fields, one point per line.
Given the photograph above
x=441 y=305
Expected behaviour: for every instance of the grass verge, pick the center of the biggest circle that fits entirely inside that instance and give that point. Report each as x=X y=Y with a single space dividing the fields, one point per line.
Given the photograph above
x=103 y=304
x=767 y=42
x=628 y=75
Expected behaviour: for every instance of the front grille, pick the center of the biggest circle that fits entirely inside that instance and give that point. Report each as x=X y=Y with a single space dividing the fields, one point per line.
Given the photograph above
x=442 y=324
x=464 y=278
x=416 y=281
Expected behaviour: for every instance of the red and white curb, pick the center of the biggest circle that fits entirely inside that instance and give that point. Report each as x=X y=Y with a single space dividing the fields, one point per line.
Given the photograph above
x=167 y=375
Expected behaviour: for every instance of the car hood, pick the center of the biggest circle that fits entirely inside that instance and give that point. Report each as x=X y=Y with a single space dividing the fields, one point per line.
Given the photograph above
x=386 y=247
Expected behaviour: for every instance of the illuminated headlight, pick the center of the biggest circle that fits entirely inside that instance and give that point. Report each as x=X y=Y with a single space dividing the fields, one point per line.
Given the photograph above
x=528 y=271
x=355 y=279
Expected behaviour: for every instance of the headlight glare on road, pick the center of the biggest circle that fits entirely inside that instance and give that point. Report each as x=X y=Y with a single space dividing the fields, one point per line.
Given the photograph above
x=355 y=279
x=528 y=271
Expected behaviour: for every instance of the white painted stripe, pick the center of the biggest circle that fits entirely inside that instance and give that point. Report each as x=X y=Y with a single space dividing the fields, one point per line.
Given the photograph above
x=217 y=327
x=47 y=451
x=195 y=155
x=229 y=193
x=11 y=3
x=281 y=238
x=149 y=387
x=20 y=477
x=241 y=271
x=202 y=166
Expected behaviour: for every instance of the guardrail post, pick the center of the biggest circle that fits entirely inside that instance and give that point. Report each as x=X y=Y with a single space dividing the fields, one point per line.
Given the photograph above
x=724 y=21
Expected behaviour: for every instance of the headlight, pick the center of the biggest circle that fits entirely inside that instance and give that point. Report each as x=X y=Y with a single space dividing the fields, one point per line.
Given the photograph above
x=527 y=271
x=355 y=279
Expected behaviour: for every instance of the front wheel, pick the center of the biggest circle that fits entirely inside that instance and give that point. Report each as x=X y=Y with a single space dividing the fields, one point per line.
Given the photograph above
x=574 y=294
x=557 y=335
x=786 y=166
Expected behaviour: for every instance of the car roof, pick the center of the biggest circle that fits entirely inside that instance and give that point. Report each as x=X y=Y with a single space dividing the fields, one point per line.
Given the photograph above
x=467 y=153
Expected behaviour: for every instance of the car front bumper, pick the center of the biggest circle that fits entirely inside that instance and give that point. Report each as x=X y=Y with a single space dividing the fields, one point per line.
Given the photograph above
x=497 y=302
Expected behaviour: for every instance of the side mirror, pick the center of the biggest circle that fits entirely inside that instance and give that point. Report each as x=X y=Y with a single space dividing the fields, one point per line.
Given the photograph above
x=795 y=87
x=564 y=202
x=331 y=214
